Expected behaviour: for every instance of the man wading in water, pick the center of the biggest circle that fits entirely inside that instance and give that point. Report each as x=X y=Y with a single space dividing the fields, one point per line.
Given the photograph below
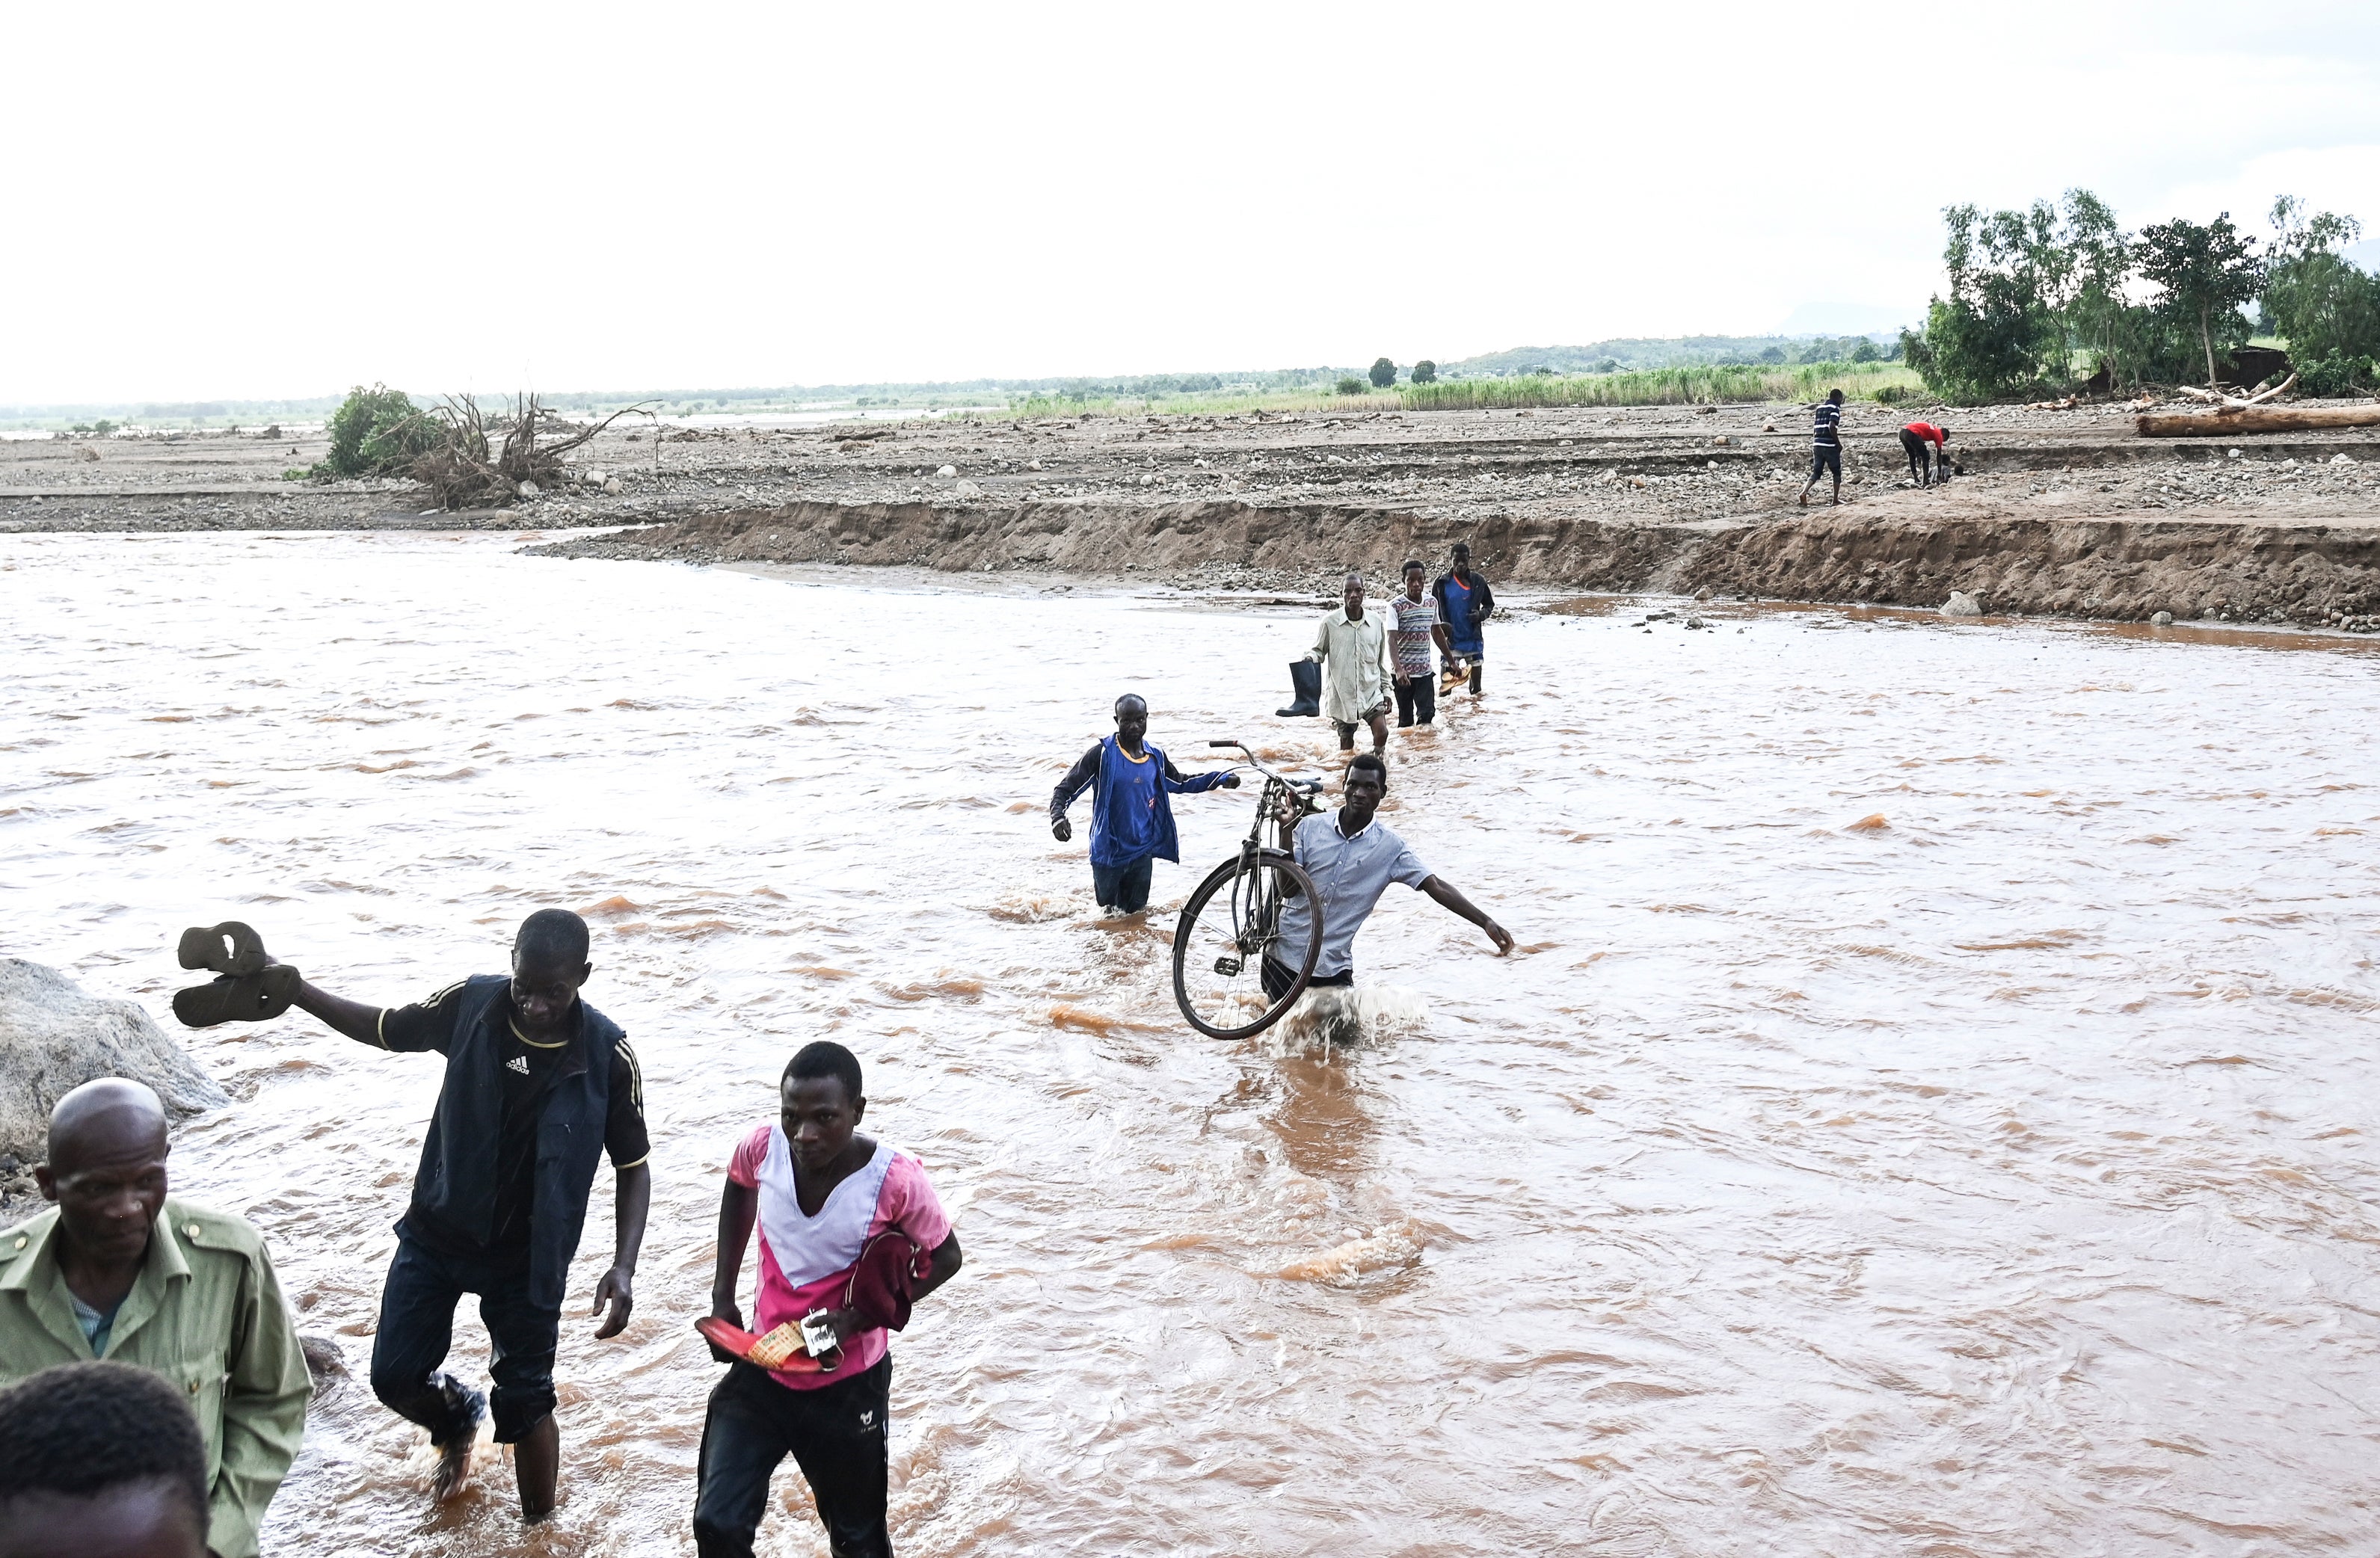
x=1464 y=604
x=1418 y=627
x=1355 y=649
x=1132 y=821
x=1353 y=857
x=831 y=1204
x=539 y=1085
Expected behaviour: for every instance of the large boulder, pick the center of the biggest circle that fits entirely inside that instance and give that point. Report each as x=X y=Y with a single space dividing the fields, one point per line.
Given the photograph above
x=53 y=1038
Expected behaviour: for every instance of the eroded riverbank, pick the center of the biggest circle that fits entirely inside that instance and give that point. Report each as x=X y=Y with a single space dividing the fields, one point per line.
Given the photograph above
x=2060 y=513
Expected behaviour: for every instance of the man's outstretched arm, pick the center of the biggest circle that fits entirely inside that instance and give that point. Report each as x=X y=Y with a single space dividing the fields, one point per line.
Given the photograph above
x=1447 y=896
x=357 y=1020
x=739 y=1205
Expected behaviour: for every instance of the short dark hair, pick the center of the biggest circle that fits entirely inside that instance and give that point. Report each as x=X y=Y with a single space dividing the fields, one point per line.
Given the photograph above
x=551 y=936
x=1373 y=761
x=1462 y=549
x=1130 y=697
x=825 y=1058
x=82 y=1428
x=1412 y=563
x=1836 y=396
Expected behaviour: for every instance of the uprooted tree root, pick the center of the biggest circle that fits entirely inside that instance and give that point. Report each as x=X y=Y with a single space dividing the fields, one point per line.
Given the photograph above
x=466 y=467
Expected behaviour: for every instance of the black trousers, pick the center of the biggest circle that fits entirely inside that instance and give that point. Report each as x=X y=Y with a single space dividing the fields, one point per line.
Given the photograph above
x=1922 y=458
x=1278 y=977
x=838 y=1435
x=417 y=1328
x=1417 y=702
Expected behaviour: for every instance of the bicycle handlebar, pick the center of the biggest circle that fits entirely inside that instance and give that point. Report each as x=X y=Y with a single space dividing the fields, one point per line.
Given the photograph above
x=1312 y=787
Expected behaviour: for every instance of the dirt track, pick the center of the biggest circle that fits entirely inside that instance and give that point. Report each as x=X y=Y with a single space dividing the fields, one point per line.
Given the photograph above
x=2066 y=512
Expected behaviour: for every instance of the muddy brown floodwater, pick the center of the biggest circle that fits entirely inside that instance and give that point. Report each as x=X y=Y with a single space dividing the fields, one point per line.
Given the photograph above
x=1995 y=1178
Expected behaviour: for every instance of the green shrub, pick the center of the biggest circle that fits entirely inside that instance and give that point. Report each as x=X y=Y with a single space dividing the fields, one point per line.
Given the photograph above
x=1384 y=373
x=375 y=432
x=1351 y=385
x=1424 y=372
x=2337 y=375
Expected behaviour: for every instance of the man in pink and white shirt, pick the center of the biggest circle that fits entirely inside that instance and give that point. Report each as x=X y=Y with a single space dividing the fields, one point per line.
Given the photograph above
x=821 y=1195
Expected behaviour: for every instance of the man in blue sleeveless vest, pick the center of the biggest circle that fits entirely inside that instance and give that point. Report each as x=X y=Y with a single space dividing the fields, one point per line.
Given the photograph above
x=1132 y=821
x=539 y=1086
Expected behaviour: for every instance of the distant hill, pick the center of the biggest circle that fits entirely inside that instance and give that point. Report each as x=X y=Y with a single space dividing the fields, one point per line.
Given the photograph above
x=1850 y=319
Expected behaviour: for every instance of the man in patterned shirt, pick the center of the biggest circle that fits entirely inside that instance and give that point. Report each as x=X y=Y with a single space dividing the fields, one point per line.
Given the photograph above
x=1417 y=628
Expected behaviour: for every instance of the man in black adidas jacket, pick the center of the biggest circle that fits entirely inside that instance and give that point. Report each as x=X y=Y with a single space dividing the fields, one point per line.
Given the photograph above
x=539 y=1086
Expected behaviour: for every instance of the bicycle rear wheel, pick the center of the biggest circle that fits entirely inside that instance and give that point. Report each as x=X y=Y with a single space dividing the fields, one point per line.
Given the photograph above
x=1228 y=927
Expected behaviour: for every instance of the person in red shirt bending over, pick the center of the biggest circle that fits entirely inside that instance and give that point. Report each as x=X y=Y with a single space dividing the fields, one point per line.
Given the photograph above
x=1923 y=463
x=851 y=1234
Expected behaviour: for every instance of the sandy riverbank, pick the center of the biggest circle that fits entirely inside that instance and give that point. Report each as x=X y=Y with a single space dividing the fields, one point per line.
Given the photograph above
x=2061 y=511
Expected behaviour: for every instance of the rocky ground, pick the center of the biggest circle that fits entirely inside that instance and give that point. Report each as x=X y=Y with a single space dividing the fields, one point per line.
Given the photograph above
x=1624 y=480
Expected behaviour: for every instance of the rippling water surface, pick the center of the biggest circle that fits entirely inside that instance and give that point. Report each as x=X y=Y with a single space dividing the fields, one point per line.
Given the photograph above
x=1995 y=1178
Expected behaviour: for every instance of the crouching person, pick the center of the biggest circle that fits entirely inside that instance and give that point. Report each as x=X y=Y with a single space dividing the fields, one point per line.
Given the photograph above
x=850 y=1228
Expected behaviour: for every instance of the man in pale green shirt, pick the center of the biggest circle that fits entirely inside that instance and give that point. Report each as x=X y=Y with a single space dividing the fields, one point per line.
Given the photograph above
x=122 y=1270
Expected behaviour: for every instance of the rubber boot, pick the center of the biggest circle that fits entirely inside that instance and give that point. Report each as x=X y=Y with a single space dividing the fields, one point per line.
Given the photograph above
x=1306 y=678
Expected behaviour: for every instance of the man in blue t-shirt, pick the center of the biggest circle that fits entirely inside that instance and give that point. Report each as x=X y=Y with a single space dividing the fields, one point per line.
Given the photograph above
x=1464 y=604
x=1132 y=821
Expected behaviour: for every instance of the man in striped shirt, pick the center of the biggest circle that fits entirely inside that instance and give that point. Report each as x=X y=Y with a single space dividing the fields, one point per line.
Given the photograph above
x=1826 y=444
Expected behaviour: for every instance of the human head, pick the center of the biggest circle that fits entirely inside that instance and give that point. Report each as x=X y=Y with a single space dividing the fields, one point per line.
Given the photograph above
x=100 y=1460
x=1367 y=782
x=820 y=1103
x=1834 y=397
x=549 y=965
x=1132 y=719
x=1352 y=596
x=1462 y=557
x=1943 y=431
x=1415 y=571
x=106 y=1168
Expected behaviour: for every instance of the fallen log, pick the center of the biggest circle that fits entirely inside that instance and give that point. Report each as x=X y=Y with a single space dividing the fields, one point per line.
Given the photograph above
x=2255 y=419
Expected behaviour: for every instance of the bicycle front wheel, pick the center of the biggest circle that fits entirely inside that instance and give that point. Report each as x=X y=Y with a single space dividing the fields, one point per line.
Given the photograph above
x=1228 y=929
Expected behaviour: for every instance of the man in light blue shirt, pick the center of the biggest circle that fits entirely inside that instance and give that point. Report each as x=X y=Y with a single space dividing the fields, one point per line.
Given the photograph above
x=1353 y=857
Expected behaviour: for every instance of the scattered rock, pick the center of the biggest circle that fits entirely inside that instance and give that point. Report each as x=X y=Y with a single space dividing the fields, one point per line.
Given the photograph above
x=2163 y=618
x=968 y=489
x=2336 y=459
x=1721 y=440
x=1961 y=604
x=1768 y=426
x=531 y=489
x=53 y=1038
x=613 y=489
x=85 y=453
x=324 y=1363
x=947 y=471
x=1149 y=480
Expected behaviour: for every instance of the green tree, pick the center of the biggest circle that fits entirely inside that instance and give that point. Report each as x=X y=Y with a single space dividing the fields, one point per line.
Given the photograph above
x=1384 y=373
x=375 y=431
x=2205 y=272
x=1864 y=350
x=2325 y=308
x=1424 y=372
x=1351 y=385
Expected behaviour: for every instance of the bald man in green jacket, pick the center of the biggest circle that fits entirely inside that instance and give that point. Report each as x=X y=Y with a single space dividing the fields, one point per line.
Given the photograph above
x=120 y=1270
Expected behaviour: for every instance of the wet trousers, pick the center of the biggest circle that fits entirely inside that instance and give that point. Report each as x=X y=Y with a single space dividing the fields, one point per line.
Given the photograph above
x=416 y=1329
x=1417 y=699
x=838 y=1435
x=1124 y=888
x=1278 y=977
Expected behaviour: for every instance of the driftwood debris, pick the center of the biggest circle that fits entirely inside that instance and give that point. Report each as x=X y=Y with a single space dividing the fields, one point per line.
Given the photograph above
x=2251 y=417
x=861 y=435
x=464 y=468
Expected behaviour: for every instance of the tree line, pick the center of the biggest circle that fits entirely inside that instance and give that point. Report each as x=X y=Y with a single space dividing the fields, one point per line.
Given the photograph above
x=2045 y=298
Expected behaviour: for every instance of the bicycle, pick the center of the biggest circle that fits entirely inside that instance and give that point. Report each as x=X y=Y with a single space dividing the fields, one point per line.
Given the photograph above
x=1231 y=925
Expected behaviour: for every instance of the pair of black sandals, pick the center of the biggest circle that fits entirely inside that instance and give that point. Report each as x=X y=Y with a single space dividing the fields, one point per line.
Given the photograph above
x=249 y=986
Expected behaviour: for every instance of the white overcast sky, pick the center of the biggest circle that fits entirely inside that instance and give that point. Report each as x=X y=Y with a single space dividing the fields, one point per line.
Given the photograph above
x=233 y=201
